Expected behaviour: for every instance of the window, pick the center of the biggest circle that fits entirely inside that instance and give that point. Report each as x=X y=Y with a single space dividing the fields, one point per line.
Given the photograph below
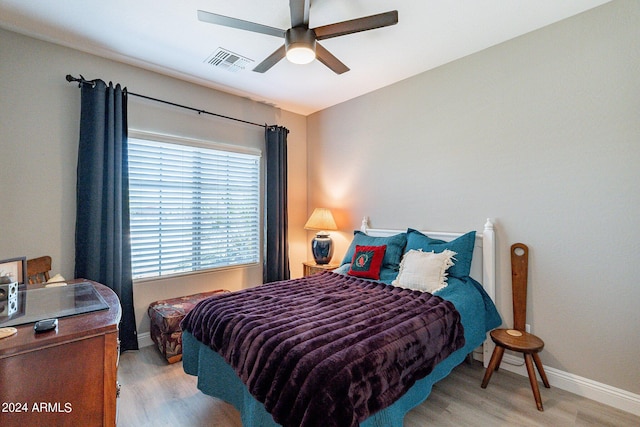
x=192 y=207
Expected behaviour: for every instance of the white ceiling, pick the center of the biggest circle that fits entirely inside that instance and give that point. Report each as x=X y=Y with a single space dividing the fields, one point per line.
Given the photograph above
x=166 y=36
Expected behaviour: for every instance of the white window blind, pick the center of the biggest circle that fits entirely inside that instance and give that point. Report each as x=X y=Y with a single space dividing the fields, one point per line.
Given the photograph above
x=192 y=208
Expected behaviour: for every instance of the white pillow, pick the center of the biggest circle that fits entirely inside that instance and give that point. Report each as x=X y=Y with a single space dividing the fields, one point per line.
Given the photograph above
x=424 y=271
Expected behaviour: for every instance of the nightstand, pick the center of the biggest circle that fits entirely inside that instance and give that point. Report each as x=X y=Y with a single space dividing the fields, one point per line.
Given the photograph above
x=310 y=267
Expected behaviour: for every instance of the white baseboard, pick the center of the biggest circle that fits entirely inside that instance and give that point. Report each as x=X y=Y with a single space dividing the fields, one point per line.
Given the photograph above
x=144 y=339
x=584 y=387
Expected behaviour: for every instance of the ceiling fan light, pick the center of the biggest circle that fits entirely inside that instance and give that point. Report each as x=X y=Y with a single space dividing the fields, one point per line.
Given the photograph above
x=301 y=54
x=300 y=43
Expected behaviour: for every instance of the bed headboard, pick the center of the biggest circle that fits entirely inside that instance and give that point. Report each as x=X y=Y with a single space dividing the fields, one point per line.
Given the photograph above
x=483 y=264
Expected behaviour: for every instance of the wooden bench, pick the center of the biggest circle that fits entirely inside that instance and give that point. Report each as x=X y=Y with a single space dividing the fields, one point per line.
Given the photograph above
x=165 y=316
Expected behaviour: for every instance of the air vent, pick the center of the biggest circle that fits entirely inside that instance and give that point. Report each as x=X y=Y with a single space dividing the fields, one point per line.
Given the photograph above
x=228 y=60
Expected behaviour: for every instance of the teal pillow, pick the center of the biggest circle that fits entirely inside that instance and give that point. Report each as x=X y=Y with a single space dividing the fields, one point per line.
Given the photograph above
x=387 y=275
x=395 y=247
x=462 y=246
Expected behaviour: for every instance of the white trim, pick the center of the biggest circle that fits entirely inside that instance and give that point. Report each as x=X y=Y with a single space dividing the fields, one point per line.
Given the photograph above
x=486 y=251
x=144 y=340
x=584 y=387
x=175 y=139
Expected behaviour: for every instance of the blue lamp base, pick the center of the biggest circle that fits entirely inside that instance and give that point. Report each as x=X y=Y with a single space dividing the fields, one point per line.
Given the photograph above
x=322 y=248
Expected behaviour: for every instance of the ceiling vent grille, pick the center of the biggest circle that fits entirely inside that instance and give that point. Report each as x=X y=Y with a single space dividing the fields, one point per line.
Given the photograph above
x=228 y=60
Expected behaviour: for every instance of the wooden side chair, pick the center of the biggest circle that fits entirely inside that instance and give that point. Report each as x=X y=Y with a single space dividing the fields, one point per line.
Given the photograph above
x=38 y=269
x=517 y=339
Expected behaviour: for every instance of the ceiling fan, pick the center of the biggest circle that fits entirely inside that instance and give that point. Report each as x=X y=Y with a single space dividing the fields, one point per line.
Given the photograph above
x=300 y=44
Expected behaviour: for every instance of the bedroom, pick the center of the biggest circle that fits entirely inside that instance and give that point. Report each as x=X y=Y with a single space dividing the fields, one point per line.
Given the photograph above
x=540 y=133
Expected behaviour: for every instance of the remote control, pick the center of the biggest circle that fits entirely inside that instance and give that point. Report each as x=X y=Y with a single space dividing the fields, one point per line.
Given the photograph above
x=45 y=325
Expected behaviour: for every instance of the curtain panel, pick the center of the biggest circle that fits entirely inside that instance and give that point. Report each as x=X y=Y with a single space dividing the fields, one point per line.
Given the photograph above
x=276 y=252
x=103 y=248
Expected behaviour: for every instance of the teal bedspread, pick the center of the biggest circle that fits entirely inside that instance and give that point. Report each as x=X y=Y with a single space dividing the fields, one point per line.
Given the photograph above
x=217 y=378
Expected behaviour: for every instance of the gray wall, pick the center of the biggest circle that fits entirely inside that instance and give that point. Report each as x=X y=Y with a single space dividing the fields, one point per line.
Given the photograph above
x=40 y=114
x=541 y=133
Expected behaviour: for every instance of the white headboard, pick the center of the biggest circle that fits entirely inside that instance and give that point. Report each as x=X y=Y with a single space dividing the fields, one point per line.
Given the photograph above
x=483 y=264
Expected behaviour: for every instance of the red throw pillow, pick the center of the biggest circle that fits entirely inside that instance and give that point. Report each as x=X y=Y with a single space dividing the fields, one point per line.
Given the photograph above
x=366 y=261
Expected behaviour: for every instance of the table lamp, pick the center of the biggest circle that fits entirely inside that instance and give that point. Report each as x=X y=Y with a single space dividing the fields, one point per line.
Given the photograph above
x=321 y=246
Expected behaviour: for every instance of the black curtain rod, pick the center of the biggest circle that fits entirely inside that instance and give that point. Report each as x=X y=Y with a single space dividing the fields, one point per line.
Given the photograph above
x=81 y=80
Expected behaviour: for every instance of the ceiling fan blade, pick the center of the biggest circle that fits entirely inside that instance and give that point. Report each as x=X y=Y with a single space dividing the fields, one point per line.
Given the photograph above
x=299 y=12
x=271 y=60
x=214 y=18
x=327 y=58
x=356 y=25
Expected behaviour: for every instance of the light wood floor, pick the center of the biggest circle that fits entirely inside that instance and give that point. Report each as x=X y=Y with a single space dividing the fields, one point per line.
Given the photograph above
x=157 y=394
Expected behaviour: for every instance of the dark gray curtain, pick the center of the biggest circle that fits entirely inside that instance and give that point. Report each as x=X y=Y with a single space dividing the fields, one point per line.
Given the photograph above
x=103 y=248
x=276 y=253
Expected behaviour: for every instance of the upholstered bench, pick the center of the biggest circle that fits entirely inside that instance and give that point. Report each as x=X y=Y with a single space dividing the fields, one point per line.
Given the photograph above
x=166 y=316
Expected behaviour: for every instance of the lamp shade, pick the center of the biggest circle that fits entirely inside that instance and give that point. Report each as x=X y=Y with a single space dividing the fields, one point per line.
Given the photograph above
x=321 y=246
x=321 y=219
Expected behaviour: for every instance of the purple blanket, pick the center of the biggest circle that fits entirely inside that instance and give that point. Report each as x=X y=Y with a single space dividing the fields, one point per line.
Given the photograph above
x=328 y=349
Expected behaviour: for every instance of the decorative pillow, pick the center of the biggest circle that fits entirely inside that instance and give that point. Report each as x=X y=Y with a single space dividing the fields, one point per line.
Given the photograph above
x=462 y=246
x=395 y=246
x=424 y=271
x=367 y=261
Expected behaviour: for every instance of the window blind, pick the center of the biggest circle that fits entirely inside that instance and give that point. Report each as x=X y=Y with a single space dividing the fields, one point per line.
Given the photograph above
x=192 y=208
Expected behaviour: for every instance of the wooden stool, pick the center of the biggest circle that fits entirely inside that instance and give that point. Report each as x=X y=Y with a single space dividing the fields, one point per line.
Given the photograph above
x=517 y=339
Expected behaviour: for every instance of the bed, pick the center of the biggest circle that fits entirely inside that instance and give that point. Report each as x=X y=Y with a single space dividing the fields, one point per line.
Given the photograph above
x=215 y=339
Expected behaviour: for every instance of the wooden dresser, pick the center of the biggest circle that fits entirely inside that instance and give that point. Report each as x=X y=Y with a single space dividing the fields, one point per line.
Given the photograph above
x=65 y=377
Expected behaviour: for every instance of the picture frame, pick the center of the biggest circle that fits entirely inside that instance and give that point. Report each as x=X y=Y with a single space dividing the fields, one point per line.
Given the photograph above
x=16 y=268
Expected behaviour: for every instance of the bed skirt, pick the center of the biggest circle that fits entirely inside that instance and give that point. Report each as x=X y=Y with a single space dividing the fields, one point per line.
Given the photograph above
x=218 y=379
